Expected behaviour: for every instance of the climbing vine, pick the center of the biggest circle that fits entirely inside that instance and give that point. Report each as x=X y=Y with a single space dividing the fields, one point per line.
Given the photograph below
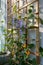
x=20 y=52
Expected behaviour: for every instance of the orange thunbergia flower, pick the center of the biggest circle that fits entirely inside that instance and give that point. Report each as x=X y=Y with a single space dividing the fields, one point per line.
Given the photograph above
x=27 y=52
x=24 y=45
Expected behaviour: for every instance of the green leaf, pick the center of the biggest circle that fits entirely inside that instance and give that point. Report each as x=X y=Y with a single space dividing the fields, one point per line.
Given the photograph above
x=31 y=16
x=41 y=51
x=32 y=6
x=34 y=61
x=41 y=21
x=14 y=8
x=2 y=21
x=9 y=23
x=30 y=61
x=31 y=45
x=30 y=11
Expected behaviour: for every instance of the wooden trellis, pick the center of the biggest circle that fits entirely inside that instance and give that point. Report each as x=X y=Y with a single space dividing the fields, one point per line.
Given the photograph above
x=34 y=27
x=31 y=27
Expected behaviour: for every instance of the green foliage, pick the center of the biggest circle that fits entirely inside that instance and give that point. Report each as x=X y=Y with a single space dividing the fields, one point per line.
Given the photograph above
x=34 y=61
x=2 y=21
x=15 y=19
x=41 y=21
x=14 y=8
x=32 y=6
x=22 y=53
x=30 y=10
x=41 y=51
x=31 y=16
x=9 y=23
x=31 y=46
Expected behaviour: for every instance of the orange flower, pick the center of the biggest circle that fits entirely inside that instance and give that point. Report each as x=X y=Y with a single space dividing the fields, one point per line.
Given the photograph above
x=24 y=45
x=27 y=52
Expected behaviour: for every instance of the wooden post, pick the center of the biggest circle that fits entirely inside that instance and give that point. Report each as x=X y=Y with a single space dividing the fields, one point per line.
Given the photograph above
x=26 y=6
x=26 y=30
x=37 y=33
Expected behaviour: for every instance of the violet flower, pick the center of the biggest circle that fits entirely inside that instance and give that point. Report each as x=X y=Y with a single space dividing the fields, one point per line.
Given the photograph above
x=21 y=32
x=19 y=24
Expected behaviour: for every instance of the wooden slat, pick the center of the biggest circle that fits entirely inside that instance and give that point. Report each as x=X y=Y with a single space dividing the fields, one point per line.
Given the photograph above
x=24 y=6
x=27 y=4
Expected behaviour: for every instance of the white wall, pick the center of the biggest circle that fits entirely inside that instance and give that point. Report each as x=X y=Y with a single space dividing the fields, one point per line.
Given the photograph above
x=3 y=17
x=41 y=41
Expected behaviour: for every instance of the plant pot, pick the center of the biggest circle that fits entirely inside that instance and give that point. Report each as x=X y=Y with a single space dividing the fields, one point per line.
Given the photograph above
x=4 y=57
